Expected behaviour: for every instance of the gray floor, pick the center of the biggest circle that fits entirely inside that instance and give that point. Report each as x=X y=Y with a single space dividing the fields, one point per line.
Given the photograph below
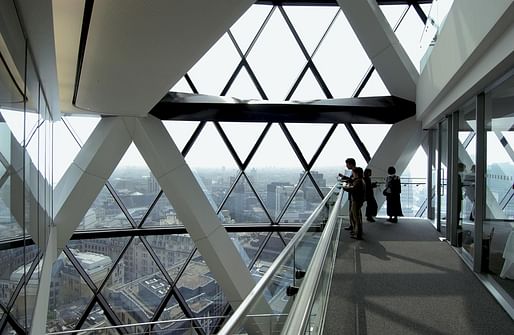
x=401 y=279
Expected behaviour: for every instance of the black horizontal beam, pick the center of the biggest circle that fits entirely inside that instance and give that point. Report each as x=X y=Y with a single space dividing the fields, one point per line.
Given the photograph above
x=197 y=107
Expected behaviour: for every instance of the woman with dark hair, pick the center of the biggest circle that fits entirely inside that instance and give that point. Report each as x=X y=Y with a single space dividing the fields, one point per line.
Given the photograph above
x=392 y=194
x=357 y=191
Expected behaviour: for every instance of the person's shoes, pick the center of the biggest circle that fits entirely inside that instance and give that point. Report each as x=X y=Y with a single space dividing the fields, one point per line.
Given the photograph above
x=348 y=228
x=370 y=219
x=394 y=220
x=355 y=237
x=390 y=220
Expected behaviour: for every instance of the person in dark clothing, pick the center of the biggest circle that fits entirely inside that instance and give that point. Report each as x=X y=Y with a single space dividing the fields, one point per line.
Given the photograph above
x=371 y=202
x=392 y=194
x=357 y=191
x=350 y=165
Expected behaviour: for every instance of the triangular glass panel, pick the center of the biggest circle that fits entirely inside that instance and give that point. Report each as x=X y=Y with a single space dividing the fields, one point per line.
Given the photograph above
x=14 y=120
x=182 y=86
x=393 y=13
x=97 y=319
x=171 y=312
x=66 y=146
x=212 y=164
x=308 y=89
x=274 y=164
x=409 y=33
x=243 y=87
x=82 y=126
x=136 y=286
x=375 y=87
x=426 y=8
x=135 y=184
x=414 y=191
x=97 y=256
x=69 y=293
x=308 y=136
x=211 y=73
x=10 y=227
x=163 y=214
x=372 y=135
x=242 y=206
x=331 y=161
x=305 y=202
x=13 y=268
x=341 y=56
x=8 y=329
x=248 y=243
x=276 y=58
x=247 y=26
x=287 y=236
x=23 y=307
x=319 y=18
x=172 y=250
x=275 y=294
x=180 y=131
x=202 y=293
x=243 y=135
x=104 y=213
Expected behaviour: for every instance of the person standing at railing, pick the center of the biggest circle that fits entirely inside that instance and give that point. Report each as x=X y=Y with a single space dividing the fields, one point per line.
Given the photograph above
x=350 y=165
x=392 y=194
x=371 y=202
x=357 y=191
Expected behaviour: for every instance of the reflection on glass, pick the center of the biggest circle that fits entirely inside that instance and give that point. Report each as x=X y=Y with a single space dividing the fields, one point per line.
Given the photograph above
x=443 y=170
x=466 y=176
x=499 y=222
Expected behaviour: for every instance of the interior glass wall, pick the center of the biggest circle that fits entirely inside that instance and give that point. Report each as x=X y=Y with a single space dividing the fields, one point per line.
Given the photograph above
x=499 y=211
x=26 y=167
x=442 y=165
x=466 y=159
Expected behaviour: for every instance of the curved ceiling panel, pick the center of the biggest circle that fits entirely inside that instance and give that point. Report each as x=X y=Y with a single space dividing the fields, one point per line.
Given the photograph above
x=136 y=50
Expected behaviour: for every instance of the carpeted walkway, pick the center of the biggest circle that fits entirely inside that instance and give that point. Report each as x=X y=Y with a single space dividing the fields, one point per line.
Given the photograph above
x=401 y=279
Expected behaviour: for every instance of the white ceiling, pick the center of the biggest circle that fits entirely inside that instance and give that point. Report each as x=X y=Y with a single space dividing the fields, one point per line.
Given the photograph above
x=136 y=50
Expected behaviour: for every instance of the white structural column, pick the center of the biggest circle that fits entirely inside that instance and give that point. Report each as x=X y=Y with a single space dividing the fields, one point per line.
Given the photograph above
x=397 y=149
x=88 y=173
x=193 y=209
x=382 y=47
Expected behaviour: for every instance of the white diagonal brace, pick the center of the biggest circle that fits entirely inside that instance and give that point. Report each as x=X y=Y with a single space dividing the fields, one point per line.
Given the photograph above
x=89 y=172
x=382 y=47
x=193 y=209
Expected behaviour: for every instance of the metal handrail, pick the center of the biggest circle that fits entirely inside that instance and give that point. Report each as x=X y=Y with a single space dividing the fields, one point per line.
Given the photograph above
x=255 y=294
x=298 y=319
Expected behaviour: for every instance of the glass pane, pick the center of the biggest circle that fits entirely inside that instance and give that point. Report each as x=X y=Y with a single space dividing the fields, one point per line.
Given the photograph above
x=135 y=184
x=308 y=136
x=273 y=248
x=304 y=202
x=393 y=13
x=23 y=307
x=163 y=214
x=248 y=244
x=375 y=87
x=182 y=86
x=172 y=311
x=318 y=18
x=276 y=58
x=9 y=225
x=97 y=319
x=104 y=213
x=242 y=206
x=274 y=165
x=245 y=29
x=372 y=135
x=308 y=89
x=212 y=164
x=70 y=294
x=341 y=56
x=243 y=87
x=414 y=192
x=213 y=70
x=498 y=231
x=67 y=147
x=139 y=287
x=172 y=251
x=82 y=126
x=180 y=131
x=202 y=293
x=332 y=159
x=243 y=136
x=409 y=33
